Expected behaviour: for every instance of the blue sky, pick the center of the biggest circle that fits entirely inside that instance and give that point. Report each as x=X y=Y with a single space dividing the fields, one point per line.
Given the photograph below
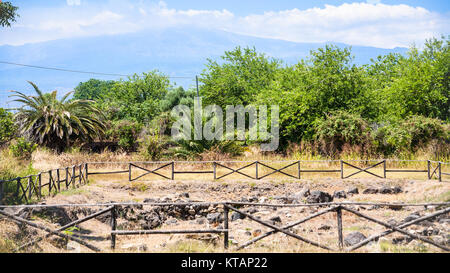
x=385 y=24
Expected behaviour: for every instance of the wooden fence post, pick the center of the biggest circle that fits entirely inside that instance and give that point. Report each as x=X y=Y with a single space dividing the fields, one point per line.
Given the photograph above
x=299 y=170
x=214 y=170
x=30 y=192
x=40 y=185
x=256 y=170
x=1 y=192
x=58 y=180
x=225 y=226
x=342 y=169
x=339 y=226
x=384 y=168
x=86 y=172
x=79 y=177
x=429 y=169
x=129 y=172
x=440 y=173
x=113 y=227
x=173 y=170
x=72 y=179
x=50 y=182
x=67 y=177
x=18 y=187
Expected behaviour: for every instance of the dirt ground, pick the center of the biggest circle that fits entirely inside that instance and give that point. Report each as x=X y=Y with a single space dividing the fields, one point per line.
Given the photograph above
x=323 y=229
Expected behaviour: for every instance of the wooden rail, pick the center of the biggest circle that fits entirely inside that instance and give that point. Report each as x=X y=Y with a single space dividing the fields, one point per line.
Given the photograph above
x=230 y=205
x=50 y=181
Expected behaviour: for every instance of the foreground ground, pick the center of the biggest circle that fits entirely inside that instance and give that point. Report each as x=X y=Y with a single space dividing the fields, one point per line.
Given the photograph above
x=323 y=229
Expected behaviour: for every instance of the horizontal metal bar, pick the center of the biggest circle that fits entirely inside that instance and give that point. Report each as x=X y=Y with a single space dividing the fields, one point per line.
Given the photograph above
x=139 y=232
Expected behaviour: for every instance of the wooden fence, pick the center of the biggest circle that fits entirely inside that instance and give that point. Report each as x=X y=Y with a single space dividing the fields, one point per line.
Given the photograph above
x=32 y=185
x=336 y=208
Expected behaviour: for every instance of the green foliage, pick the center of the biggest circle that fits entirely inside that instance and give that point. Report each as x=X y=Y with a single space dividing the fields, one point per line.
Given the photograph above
x=241 y=76
x=22 y=148
x=93 y=89
x=191 y=149
x=306 y=92
x=56 y=123
x=137 y=99
x=342 y=128
x=7 y=127
x=8 y=13
x=177 y=96
x=126 y=132
x=417 y=84
x=412 y=133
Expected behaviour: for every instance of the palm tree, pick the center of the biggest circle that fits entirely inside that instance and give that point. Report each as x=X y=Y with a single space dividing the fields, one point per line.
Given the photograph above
x=57 y=123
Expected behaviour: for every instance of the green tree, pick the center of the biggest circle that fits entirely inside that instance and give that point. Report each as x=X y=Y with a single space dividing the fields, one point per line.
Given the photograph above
x=7 y=127
x=93 y=89
x=325 y=82
x=56 y=123
x=8 y=14
x=137 y=99
x=417 y=84
x=238 y=79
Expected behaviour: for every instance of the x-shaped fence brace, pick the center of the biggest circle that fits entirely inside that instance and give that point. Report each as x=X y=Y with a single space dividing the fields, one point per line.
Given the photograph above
x=238 y=170
x=151 y=171
x=257 y=163
x=360 y=169
x=338 y=209
x=432 y=172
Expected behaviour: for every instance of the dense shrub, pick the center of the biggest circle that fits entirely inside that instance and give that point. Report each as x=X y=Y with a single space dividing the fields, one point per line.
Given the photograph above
x=126 y=133
x=22 y=148
x=340 y=129
x=7 y=127
x=411 y=134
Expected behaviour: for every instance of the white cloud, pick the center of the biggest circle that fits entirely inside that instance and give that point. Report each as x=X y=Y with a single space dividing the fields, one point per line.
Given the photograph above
x=370 y=24
x=73 y=2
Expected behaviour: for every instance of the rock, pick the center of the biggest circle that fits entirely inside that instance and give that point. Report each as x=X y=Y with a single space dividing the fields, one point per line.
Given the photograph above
x=401 y=240
x=352 y=190
x=301 y=194
x=275 y=219
x=256 y=232
x=354 y=238
x=73 y=247
x=411 y=217
x=56 y=214
x=370 y=191
x=201 y=220
x=135 y=247
x=151 y=200
x=172 y=221
x=339 y=194
x=252 y=210
x=319 y=197
x=184 y=195
x=392 y=222
x=214 y=217
x=236 y=215
x=248 y=233
x=430 y=231
x=324 y=227
x=390 y=190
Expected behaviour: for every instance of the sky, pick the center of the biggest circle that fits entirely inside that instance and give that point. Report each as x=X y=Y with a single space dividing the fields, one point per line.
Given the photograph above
x=377 y=23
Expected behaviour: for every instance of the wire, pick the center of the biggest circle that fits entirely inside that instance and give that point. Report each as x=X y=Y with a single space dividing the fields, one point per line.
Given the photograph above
x=79 y=71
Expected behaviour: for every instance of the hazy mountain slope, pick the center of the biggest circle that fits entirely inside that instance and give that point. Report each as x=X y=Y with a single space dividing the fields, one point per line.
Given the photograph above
x=176 y=52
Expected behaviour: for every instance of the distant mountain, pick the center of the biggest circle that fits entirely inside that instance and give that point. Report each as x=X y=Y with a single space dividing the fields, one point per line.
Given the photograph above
x=176 y=52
